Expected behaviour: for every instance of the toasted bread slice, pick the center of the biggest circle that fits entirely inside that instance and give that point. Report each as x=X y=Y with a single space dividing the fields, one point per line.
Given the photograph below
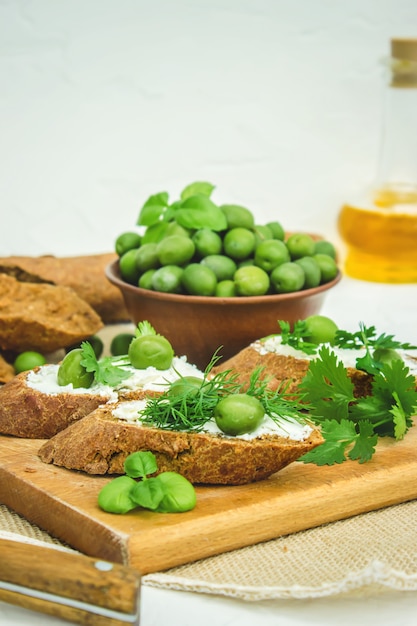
x=29 y=413
x=100 y=443
x=84 y=274
x=282 y=368
x=43 y=317
x=34 y=406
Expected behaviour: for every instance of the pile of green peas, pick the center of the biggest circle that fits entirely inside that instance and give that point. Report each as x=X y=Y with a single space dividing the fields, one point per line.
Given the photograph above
x=244 y=259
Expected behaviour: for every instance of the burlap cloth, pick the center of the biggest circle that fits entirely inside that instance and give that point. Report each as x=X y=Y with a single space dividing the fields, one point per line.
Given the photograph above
x=362 y=555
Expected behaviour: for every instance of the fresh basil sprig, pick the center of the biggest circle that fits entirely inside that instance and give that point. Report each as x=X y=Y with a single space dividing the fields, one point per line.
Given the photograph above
x=193 y=210
x=168 y=492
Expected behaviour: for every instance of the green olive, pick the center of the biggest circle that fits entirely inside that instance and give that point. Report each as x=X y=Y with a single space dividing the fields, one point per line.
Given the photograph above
x=238 y=414
x=72 y=372
x=320 y=329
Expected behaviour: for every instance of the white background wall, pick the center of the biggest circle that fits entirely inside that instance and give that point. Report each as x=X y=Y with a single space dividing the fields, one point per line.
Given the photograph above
x=104 y=102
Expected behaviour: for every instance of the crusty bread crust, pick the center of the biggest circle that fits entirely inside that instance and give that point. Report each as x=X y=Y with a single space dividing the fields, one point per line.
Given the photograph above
x=84 y=274
x=42 y=317
x=28 y=413
x=32 y=414
x=279 y=369
x=100 y=443
x=7 y=371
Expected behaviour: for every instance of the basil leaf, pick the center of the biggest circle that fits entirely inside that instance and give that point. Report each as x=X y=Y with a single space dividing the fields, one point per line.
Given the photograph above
x=140 y=464
x=153 y=208
x=155 y=232
x=200 y=212
x=148 y=493
x=192 y=189
x=115 y=497
x=150 y=214
x=179 y=493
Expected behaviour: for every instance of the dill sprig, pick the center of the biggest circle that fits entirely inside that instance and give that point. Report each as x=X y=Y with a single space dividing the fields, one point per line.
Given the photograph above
x=191 y=409
x=278 y=404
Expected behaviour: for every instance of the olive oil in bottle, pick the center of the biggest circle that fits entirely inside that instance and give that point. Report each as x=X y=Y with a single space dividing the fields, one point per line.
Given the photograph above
x=380 y=229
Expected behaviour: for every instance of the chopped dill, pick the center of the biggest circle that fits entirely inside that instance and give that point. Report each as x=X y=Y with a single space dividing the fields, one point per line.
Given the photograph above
x=192 y=408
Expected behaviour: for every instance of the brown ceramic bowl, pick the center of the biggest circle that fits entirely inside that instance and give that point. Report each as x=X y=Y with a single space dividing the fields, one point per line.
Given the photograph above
x=197 y=326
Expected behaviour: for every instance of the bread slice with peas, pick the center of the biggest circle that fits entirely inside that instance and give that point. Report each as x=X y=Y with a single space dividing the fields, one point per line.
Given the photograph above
x=283 y=367
x=100 y=442
x=27 y=411
x=285 y=358
x=34 y=405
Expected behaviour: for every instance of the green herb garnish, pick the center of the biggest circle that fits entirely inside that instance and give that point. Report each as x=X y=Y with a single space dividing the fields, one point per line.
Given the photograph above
x=192 y=408
x=296 y=338
x=105 y=371
x=194 y=210
x=168 y=492
x=367 y=337
x=349 y=425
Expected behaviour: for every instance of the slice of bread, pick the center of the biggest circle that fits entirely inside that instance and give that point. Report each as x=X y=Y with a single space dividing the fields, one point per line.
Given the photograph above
x=283 y=368
x=42 y=317
x=100 y=443
x=84 y=274
x=29 y=413
x=34 y=406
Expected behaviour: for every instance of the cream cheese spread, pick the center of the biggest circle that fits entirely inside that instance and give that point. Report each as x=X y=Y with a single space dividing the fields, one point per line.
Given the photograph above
x=283 y=427
x=45 y=379
x=347 y=357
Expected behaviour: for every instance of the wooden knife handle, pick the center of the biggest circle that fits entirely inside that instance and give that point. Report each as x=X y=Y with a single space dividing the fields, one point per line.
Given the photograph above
x=67 y=584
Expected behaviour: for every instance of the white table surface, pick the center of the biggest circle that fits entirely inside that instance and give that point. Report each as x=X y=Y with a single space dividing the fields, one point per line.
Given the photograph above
x=391 y=309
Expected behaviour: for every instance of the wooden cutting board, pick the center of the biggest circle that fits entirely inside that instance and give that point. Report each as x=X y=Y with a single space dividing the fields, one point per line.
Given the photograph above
x=64 y=503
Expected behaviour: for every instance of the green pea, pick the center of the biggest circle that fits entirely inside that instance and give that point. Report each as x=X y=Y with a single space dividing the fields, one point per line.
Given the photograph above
x=151 y=351
x=115 y=497
x=238 y=414
x=120 y=344
x=72 y=372
x=386 y=355
x=185 y=385
x=28 y=360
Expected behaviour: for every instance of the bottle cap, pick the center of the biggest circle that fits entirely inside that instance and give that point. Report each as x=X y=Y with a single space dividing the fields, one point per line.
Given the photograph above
x=403 y=62
x=404 y=49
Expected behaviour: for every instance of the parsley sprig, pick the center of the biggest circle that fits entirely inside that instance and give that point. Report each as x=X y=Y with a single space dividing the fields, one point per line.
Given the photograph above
x=351 y=426
x=296 y=338
x=105 y=370
x=365 y=337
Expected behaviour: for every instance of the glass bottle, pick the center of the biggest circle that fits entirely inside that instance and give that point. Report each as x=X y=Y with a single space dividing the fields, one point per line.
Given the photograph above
x=380 y=230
